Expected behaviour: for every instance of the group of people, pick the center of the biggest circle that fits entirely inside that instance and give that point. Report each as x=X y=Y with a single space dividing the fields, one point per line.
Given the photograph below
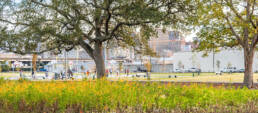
x=127 y=72
x=62 y=75
x=110 y=72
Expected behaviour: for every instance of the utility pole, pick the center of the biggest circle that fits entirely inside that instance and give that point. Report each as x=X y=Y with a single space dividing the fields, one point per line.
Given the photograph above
x=213 y=58
x=163 y=63
x=65 y=63
x=77 y=58
x=105 y=55
x=105 y=59
x=150 y=66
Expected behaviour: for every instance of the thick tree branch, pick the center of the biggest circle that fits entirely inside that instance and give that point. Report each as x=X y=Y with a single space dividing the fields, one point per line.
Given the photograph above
x=233 y=31
x=82 y=16
x=255 y=38
x=86 y=47
x=251 y=14
x=120 y=25
x=246 y=29
x=108 y=18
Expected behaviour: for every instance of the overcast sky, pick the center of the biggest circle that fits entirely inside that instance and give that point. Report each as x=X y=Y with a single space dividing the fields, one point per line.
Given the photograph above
x=190 y=36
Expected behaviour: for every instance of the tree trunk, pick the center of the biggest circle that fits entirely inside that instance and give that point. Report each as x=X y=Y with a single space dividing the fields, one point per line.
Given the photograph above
x=248 y=76
x=99 y=60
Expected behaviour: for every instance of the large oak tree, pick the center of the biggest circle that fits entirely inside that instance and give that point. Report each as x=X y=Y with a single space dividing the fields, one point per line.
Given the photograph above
x=230 y=23
x=65 y=24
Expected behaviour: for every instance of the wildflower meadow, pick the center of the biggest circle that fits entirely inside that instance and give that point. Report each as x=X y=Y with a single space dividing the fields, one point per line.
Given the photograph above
x=120 y=96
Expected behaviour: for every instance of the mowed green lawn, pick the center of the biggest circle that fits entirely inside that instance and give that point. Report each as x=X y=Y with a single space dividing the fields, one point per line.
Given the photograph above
x=211 y=77
x=203 y=77
x=181 y=77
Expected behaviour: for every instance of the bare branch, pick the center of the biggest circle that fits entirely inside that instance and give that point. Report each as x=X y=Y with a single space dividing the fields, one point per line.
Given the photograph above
x=108 y=18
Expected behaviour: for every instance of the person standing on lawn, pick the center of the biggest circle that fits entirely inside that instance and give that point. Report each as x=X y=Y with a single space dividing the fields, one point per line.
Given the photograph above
x=110 y=71
x=46 y=74
x=21 y=74
x=70 y=73
x=32 y=74
x=87 y=73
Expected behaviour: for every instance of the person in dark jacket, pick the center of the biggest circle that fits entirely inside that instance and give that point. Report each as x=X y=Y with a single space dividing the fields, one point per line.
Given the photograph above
x=21 y=74
x=70 y=73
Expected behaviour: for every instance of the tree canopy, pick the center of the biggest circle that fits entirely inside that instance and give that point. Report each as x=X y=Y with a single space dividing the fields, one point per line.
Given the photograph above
x=230 y=23
x=68 y=23
x=90 y=24
x=224 y=23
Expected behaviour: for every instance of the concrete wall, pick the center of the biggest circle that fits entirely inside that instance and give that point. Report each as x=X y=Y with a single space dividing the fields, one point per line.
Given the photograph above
x=226 y=57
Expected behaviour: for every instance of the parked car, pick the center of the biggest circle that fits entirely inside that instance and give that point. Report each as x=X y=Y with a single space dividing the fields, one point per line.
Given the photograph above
x=40 y=77
x=229 y=70
x=194 y=70
x=241 y=70
x=141 y=75
x=186 y=70
x=134 y=70
x=178 y=71
x=225 y=70
x=141 y=70
x=218 y=72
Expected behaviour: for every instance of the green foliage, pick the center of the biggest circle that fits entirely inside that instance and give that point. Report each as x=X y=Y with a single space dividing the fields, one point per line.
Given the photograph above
x=109 y=96
x=228 y=24
x=222 y=24
x=65 y=24
x=58 y=25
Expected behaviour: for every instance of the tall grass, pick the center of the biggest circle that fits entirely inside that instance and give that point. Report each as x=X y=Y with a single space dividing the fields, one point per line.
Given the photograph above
x=106 y=96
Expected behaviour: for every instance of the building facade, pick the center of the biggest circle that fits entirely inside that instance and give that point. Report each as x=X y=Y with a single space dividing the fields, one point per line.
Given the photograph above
x=169 y=42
